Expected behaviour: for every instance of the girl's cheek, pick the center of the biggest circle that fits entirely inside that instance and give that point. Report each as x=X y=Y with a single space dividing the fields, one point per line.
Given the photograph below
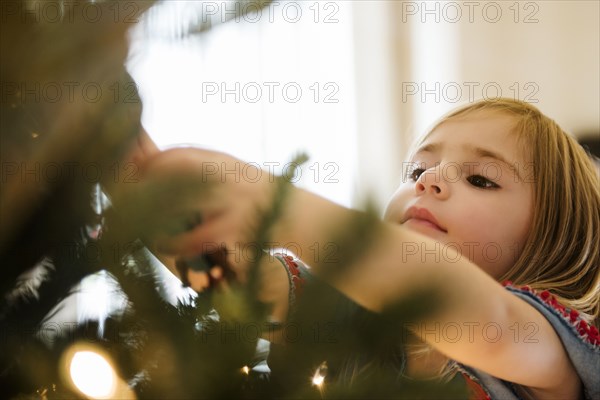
x=390 y=211
x=395 y=206
x=388 y=217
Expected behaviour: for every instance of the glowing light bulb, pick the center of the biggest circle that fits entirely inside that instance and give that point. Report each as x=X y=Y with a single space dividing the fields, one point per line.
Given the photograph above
x=319 y=376
x=92 y=374
x=318 y=380
x=245 y=369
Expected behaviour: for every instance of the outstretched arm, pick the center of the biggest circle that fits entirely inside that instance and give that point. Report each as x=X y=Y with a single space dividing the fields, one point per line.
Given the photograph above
x=383 y=274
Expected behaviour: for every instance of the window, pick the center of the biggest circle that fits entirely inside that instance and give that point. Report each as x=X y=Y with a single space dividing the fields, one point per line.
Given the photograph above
x=262 y=86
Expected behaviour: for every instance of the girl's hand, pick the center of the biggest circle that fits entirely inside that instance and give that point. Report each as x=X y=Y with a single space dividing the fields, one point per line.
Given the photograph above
x=220 y=198
x=192 y=202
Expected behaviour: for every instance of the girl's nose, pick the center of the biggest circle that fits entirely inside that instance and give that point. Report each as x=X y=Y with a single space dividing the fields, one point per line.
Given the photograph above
x=432 y=182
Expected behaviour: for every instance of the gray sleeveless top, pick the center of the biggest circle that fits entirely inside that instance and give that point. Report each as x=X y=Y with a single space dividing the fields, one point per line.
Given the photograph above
x=580 y=340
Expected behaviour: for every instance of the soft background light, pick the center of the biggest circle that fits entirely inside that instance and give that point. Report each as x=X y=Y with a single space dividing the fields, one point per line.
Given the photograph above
x=262 y=88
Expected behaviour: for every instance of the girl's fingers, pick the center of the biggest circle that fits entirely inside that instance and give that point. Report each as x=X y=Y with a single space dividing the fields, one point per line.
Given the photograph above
x=214 y=279
x=199 y=281
x=227 y=254
x=191 y=243
x=216 y=273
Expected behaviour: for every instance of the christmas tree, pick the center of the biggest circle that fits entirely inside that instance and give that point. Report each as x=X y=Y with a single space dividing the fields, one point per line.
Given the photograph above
x=64 y=130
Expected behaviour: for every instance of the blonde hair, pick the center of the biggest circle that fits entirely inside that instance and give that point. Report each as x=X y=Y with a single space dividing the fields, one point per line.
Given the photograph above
x=561 y=253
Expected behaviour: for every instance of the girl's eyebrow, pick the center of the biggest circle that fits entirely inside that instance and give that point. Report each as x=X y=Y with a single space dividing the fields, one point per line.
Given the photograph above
x=481 y=152
x=431 y=147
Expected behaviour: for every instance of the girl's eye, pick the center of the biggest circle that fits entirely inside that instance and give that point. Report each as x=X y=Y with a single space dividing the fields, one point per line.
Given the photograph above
x=416 y=173
x=481 y=182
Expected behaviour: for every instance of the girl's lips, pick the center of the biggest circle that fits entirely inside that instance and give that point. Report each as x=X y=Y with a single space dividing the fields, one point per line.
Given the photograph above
x=424 y=222
x=423 y=217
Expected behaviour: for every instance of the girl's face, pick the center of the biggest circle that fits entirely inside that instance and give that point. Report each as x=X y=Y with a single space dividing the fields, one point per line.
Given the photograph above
x=470 y=189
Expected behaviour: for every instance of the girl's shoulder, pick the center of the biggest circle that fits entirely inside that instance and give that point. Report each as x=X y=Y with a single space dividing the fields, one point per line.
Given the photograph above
x=562 y=318
x=580 y=339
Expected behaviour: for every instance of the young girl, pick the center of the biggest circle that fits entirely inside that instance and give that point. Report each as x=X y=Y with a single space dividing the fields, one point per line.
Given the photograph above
x=497 y=192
